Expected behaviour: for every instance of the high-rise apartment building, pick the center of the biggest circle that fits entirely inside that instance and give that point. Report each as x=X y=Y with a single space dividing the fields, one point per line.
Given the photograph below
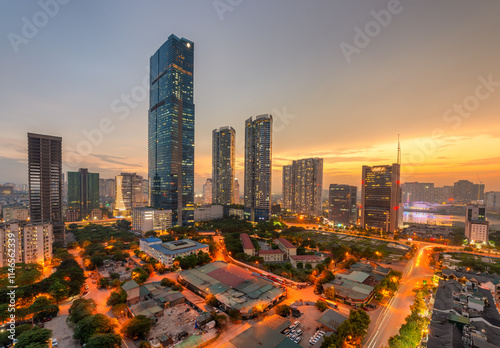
x=150 y=219
x=417 y=192
x=236 y=195
x=171 y=130
x=83 y=192
x=258 y=167
x=476 y=226
x=19 y=213
x=45 y=182
x=381 y=198
x=443 y=194
x=342 y=208
x=129 y=194
x=465 y=191
x=303 y=186
x=223 y=165
x=33 y=242
x=207 y=191
x=287 y=186
x=107 y=188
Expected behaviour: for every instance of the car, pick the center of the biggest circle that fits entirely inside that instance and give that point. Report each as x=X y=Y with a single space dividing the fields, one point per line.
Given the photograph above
x=299 y=332
x=86 y=287
x=54 y=342
x=296 y=323
x=321 y=332
x=298 y=339
x=286 y=331
x=93 y=281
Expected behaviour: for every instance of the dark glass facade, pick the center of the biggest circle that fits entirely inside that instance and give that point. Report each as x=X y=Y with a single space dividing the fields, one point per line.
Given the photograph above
x=223 y=165
x=342 y=204
x=381 y=198
x=171 y=130
x=83 y=192
x=45 y=182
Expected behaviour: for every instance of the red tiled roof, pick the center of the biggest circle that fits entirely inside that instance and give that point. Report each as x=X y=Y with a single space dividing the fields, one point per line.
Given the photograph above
x=267 y=252
x=231 y=276
x=247 y=243
x=305 y=257
x=286 y=243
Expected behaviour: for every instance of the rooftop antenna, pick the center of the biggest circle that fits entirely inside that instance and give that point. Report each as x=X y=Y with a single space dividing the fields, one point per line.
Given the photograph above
x=399 y=151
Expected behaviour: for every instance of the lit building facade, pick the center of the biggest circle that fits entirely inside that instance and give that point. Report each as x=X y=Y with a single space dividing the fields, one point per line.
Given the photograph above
x=417 y=192
x=83 y=192
x=129 y=193
x=150 y=219
x=33 y=242
x=46 y=182
x=381 y=198
x=476 y=226
x=207 y=191
x=19 y=213
x=171 y=130
x=465 y=191
x=223 y=165
x=258 y=167
x=303 y=186
x=236 y=195
x=342 y=205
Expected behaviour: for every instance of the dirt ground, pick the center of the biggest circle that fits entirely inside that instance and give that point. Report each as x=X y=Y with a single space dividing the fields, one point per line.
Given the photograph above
x=175 y=320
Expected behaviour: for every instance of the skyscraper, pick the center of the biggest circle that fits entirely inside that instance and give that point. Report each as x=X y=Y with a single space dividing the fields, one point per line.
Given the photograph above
x=171 y=130
x=258 y=167
x=287 y=186
x=83 y=192
x=342 y=204
x=45 y=182
x=207 y=191
x=236 y=195
x=303 y=186
x=223 y=144
x=381 y=198
x=129 y=193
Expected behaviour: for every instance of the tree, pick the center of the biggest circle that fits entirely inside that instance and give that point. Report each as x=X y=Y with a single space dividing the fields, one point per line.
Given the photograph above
x=119 y=309
x=34 y=338
x=330 y=293
x=234 y=315
x=148 y=268
x=139 y=275
x=137 y=327
x=116 y=297
x=104 y=282
x=308 y=266
x=283 y=310
x=81 y=308
x=144 y=344
x=109 y=340
x=321 y=305
x=92 y=325
x=300 y=265
x=58 y=290
x=167 y=282
x=220 y=320
x=211 y=300
x=97 y=260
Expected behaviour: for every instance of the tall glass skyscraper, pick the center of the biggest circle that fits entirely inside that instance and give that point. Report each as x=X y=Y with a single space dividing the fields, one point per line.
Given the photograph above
x=171 y=130
x=258 y=167
x=223 y=165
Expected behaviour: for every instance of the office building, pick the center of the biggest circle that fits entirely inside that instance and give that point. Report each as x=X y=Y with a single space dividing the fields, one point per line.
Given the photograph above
x=129 y=193
x=45 y=182
x=381 y=198
x=258 y=167
x=236 y=195
x=167 y=252
x=417 y=192
x=83 y=192
x=16 y=213
x=207 y=191
x=33 y=242
x=223 y=165
x=171 y=130
x=476 y=226
x=465 y=191
x=208 y=212
x=303 y=186
x=342 y=208
x=150 y=219
x=107 y=188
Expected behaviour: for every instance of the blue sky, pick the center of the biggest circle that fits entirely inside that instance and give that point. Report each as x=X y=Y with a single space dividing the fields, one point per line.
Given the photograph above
x=279 y=57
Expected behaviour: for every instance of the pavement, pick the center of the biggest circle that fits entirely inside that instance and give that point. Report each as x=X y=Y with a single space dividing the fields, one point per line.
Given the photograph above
x=62 y=332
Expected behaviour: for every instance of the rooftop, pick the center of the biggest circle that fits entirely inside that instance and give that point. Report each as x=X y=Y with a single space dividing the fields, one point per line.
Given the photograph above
x=286 y=243
x=131 y=284
x=150 y=240
x=331 y=319
x=260 y=335
x=246 y=241
x=179 y=246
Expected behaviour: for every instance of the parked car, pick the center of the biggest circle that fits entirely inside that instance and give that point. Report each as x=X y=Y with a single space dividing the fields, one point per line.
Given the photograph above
x=54 y=342
x=298 y=339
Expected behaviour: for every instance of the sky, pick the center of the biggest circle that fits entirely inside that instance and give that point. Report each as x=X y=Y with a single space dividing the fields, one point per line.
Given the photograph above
x=341 y=78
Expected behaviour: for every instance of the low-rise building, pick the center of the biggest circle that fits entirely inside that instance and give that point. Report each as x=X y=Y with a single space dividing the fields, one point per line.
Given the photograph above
x=272 y=255
x=208 y=212
x=262 y=336
x=150 y=219
x=16 y=213
x=331 y=320
x=167 y=252
x=286 y=247
x=311 y=259
x=247 y=244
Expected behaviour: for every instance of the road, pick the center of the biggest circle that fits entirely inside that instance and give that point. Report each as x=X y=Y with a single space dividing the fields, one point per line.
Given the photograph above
x=393 y=315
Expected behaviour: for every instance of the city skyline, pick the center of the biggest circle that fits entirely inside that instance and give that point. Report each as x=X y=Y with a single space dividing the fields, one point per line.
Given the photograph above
x=421 y=81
